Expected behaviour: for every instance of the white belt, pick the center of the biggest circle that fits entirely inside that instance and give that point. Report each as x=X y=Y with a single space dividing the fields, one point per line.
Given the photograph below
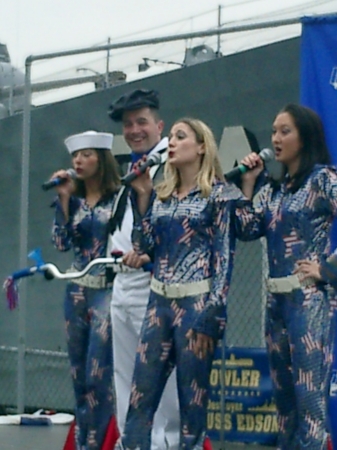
x=90 y=281
x=180 y=290
x=121 y=268
x=284 y=285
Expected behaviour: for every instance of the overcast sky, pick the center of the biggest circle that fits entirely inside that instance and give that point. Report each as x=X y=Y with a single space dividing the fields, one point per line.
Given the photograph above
x=32 y=27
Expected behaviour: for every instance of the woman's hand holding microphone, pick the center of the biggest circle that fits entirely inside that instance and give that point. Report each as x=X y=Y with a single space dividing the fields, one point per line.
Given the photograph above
x=255 y=165
x=64 y=190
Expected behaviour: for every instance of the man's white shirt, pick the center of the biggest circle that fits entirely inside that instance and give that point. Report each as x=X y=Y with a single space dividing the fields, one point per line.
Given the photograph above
x=131 y=282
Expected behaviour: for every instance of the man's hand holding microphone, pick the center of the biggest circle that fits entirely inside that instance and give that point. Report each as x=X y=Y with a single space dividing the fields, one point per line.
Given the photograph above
x=140 y=180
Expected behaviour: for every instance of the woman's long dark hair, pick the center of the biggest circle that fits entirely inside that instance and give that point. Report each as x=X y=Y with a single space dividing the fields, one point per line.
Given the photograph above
x=314 y=149
x=108 y=172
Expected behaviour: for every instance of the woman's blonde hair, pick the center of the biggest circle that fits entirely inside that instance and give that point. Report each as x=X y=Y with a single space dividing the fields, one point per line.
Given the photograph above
x=210 y=168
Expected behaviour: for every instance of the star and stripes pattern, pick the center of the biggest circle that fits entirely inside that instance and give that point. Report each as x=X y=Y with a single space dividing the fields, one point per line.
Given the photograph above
x=191 y=239
x=85 y=232
x=88 y=321
x=88 y=337
x=163 y=345
x=299 y=326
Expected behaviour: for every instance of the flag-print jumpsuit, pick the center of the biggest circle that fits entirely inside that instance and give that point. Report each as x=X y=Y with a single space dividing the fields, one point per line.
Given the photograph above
x=190 y=239
x=88 y=322
x=299 y=326
x=328 y=271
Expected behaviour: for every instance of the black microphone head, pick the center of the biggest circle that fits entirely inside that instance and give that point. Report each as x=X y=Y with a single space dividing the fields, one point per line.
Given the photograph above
x=267 y=154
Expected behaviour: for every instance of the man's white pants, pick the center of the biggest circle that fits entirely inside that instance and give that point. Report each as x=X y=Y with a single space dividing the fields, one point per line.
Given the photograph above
x=126 y=327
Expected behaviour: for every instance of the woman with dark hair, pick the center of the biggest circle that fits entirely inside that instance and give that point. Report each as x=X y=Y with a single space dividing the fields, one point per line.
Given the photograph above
x=84 y=208
x=295 y=216
x=188 y=230
x=311 y=133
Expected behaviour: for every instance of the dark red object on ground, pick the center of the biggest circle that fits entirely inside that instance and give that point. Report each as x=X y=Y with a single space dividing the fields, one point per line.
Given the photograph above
x=111 y=438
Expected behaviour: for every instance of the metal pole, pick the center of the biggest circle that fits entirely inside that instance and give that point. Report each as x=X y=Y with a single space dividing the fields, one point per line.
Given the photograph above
x=265 y=271
x=24 y=240
x=177 y=37
x=107 y=66
x=11 y=87
x=5 y=92
x=218 y=49
x=222 y=392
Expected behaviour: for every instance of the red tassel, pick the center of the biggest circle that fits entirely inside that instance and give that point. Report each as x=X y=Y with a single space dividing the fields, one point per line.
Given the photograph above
x=207 y=444
x=70 y=439
x=12 y=292
x=110 y=439
x=330 y=447
x=111 y=436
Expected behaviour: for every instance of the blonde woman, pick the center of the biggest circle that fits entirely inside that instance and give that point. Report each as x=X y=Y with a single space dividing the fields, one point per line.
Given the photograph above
x=186 y=229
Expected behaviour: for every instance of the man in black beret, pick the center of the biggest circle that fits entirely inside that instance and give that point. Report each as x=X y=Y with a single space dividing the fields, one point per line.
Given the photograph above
x=142 y=128
x=138 y=99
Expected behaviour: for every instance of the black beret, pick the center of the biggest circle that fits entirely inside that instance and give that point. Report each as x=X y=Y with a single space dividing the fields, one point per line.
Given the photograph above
x=140 y=98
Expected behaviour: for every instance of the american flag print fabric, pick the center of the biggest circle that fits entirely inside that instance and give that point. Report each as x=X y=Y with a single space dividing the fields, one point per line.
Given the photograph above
x=86 y=231
x=328 y=270
x=88 y=320
x=89 y=337
x=191 y=239
x=164 y=345
x=299 y=326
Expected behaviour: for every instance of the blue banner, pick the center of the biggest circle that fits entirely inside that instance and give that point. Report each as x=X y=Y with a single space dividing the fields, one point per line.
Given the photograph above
x=319 y=73
x=249 y=409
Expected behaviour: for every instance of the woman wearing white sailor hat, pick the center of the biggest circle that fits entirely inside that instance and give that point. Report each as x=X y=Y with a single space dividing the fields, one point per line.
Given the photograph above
x=83 y=212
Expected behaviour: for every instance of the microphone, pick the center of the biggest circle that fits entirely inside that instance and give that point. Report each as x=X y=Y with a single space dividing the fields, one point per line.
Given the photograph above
x=152 y=160
x=266 y=155
x=58 y=180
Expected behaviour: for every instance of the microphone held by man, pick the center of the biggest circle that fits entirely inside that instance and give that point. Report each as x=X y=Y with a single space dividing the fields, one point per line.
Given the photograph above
x=152 y=160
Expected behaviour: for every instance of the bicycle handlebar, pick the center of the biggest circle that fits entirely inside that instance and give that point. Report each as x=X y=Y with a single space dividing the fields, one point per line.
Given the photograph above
x=52 y=269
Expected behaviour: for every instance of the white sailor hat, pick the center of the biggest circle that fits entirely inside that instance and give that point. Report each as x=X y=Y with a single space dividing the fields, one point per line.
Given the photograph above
x=89 y=139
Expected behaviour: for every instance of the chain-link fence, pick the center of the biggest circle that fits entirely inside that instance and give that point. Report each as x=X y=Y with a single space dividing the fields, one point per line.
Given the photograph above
x=47 y=379
x=47 y=373
x=46 y=376
x=46 y=370
x=246 y=297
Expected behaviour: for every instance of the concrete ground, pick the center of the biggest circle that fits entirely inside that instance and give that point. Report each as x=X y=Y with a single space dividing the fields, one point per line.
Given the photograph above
x=14 y=437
